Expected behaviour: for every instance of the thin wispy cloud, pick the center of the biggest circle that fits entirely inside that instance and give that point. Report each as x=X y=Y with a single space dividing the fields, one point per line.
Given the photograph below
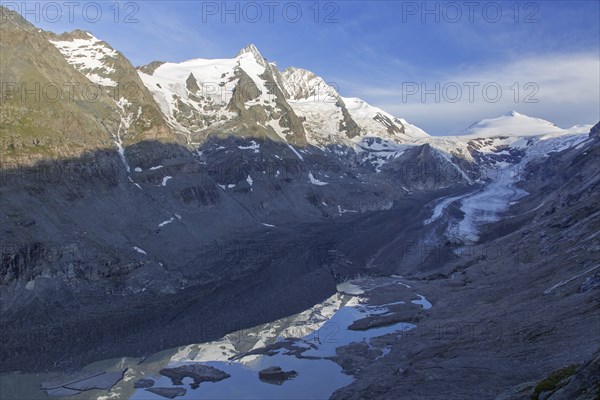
x=169 y=32
x=562 y=88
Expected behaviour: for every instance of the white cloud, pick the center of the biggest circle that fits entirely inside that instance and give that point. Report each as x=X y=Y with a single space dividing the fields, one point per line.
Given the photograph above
x=562 y=88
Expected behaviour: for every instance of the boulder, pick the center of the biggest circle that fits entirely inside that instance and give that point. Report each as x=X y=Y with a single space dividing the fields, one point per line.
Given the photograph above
x=198 y=372
x=275 y=375
x=377 y=321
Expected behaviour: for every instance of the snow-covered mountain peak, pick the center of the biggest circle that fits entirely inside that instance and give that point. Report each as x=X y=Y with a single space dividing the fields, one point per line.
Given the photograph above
x=505 y=141
x=511 y=123
x=252 y=50
x=247 y=93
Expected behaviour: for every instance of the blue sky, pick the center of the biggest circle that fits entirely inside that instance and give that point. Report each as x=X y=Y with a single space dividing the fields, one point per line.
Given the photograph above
x=543 y=56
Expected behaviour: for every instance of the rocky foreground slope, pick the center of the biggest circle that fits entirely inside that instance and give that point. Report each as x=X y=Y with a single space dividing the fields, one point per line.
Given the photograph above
x=515 y=316
x=134 y=220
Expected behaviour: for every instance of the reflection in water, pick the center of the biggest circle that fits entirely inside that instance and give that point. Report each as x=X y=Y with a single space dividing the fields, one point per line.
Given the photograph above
x=303 y=343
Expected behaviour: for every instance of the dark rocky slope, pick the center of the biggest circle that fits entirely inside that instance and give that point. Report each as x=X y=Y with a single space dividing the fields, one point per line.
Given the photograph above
x=514 y=308
x=90 y=248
